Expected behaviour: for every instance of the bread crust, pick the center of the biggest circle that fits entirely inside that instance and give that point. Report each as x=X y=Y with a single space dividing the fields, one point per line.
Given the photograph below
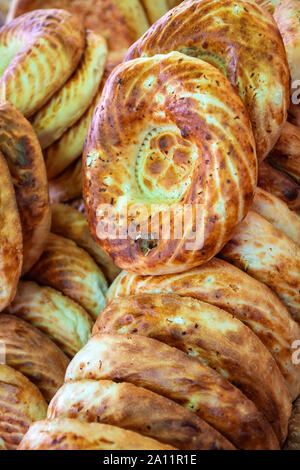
x=155 y=9
x=11 y=238
x=223 y=285
x=58 y=316
x=70 y=223
x=33 y=354
x=70 y=269
x=255 y=60
x=67 y=185
x=155 y=118
x=278 y=214
x=214 y=337
x=268 y=255
x=286 y=153
x=24 y=157
x=69 y=103
x=280 y=184
x=148 y=363
x=120 y=21
x=39 y=52
x=66 y=150
x=21 y=403
x=293 y=441
x=71 y=434
x=148 y=414
x=287 y=15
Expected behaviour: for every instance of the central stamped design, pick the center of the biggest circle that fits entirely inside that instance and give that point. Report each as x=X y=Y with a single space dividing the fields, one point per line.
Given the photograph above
x=165 y=165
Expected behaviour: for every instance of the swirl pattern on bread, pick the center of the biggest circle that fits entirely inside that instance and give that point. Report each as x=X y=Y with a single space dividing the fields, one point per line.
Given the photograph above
x=169 y=131
x=244 y=43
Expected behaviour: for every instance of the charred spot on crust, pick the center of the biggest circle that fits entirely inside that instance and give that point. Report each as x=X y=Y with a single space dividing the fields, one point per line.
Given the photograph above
x=146 y=246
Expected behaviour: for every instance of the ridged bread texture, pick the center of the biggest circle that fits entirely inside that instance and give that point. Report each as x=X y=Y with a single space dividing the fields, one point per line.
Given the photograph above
x=149 y=414
x=33 y=354
x=39 y=51
x=225 y=286
x=169 y=131
x=21 y=403
x=121 y=22
x=71 y=270
x=148 y=363
x=211 y=335
x=286 y=154
x=58 y=316
x=71 y=434
x=255 y=63
x=268 y=255
x=70 y=223
x=68 y=105
x=21 y=148
x=11 y=238
x=287 y=15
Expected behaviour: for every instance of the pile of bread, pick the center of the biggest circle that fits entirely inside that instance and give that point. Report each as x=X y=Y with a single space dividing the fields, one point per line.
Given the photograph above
x=194 y=345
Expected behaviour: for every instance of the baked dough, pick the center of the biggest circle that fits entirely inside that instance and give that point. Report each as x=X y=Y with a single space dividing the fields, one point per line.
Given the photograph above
x=227 y=287
x=58 y=316
x=155 y=9
x=287 y=16
x=211 y=335
x=293 y=441
x=21 y=403
x=70 y=223
x=11 y=238
x=23 y=154
x=73 y=99
x=168 y=133
x=148 y=363
x=121 y=22
x=67 y=185
x=70 y=269
x=286 y=153
x=38 y=53
x=278 y=214
x=269 y=256
x=281 y=185
x=70 y=434
x=244 y=43
x=136 y=409
x=33 y=354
